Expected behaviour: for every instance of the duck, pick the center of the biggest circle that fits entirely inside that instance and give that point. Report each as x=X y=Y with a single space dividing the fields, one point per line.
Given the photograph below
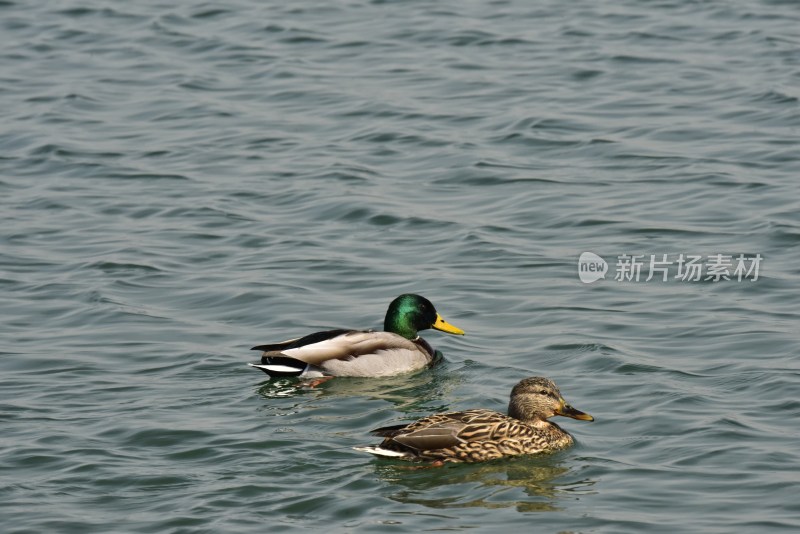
x=479 y=435
x=396 y=350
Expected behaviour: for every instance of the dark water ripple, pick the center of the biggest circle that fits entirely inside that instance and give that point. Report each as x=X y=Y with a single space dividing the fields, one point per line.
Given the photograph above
x=179 y=183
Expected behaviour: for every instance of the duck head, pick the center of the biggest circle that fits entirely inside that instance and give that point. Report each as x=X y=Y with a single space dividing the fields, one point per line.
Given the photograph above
x=537 y=399
x=409 y=313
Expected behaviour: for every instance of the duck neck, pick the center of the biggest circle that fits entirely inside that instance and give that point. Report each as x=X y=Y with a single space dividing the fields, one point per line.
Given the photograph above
x=518 y=410
x=398 y=324
x=399 y=317
x=554 y=434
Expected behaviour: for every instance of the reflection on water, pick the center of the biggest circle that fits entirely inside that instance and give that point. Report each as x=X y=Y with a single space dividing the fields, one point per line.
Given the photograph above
x=277 y=388
x=426 y=391
x=535 y=484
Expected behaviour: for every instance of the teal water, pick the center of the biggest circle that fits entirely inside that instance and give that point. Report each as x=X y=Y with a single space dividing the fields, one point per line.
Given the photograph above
x=181 y=182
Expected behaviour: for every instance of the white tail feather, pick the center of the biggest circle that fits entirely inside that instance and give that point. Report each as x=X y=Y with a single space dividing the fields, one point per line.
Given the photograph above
x=377 y=451
x=274 y=368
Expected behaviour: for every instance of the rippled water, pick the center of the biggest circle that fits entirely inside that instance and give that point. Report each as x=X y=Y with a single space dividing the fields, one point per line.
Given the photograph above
x=179 y=183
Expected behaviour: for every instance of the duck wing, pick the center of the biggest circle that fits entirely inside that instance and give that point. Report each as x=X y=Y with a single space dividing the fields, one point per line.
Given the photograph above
x=446 y=430
x=310 y=339
x=321 y=347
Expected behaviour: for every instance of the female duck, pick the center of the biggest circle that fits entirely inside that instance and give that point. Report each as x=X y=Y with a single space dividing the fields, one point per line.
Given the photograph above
x=367 y=353
x=479 y=435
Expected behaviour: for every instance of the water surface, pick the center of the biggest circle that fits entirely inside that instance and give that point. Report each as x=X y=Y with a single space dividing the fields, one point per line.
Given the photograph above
x=180 y=183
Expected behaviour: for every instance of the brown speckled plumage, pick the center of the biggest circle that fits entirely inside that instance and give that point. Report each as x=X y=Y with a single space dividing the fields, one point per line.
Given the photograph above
x=478 y=435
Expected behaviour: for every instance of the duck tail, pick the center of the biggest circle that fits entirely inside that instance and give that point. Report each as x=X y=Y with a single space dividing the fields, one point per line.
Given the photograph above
x=282 y=366
x=385 y=453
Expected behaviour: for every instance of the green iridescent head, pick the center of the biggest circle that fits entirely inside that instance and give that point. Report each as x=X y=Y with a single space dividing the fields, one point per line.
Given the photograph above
x=410 y=313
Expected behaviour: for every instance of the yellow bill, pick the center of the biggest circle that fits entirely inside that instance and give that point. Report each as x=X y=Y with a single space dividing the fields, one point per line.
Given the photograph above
x=444 y=326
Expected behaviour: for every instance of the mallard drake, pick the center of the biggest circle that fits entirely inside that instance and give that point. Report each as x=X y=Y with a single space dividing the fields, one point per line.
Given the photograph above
x=479 y=435
x=366 y=353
